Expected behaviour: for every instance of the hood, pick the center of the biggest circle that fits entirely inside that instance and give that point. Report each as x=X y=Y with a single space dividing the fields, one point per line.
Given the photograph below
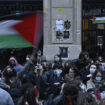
x=14 y=59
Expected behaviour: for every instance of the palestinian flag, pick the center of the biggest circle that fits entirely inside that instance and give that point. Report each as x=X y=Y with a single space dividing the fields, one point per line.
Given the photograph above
x=21 y=33
x=98 y=19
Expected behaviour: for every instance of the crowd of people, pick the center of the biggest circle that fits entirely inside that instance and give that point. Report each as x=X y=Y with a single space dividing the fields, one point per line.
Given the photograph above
x=40 y=82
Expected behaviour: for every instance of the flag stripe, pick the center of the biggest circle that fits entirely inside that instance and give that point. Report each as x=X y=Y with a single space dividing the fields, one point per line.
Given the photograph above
x=99 y=21
x=5 y=27
x=100 y=18
x=13 y=41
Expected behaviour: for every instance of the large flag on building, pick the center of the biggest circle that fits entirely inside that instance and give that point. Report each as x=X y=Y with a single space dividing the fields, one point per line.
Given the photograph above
x=98 y=19
x=21 y=33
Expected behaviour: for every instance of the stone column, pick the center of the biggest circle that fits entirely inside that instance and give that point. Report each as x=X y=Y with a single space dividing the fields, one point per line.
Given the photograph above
x=64 y=10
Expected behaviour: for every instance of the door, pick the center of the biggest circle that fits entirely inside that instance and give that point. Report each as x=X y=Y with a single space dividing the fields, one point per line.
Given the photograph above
x=93 y=34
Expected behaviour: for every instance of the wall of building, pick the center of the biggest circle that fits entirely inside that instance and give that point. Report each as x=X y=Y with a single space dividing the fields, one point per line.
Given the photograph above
x=63 y=10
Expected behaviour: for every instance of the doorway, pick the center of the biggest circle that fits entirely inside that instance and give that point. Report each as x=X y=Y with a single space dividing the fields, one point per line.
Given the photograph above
x=93 y=34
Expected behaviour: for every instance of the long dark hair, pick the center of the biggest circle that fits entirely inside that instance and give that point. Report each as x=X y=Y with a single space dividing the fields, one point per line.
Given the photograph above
x=87 y=99
x=67 y=65
x=30 y=96
x=88 y=70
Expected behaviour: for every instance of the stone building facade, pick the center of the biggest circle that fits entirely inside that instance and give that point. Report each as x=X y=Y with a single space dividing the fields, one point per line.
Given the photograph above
x=56 y=14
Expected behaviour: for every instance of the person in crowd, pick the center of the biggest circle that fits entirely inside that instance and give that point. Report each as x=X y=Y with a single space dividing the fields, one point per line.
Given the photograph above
x=5 y=98
x=14 y=64
x=57 y=60
x=13 y=81
x=87 y=72
x=68 y=97
x=96 y=82
x=81 y=85
x=99 y=64
x=82 y=60
x=8 y=76
x=88 y=99
x=42 y=82
x=55 y=74
x=67 y=65
x=43 y=60
x=44 y=63
x=30 y=97
x=39 y=82
x=28 y=57
x=100 y=59
x=48 y=66
x=72 y=76
x=55 y=80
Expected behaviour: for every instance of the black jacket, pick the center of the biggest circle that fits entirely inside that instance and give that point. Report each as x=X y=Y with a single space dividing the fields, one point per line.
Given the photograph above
x=59 y=100
x=83 y=75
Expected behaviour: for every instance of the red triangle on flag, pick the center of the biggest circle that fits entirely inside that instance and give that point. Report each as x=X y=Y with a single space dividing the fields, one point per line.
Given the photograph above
x=30 y=28
x=94 y=18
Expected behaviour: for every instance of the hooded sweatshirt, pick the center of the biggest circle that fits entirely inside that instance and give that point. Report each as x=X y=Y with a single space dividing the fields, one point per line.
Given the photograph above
x=17 y=66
